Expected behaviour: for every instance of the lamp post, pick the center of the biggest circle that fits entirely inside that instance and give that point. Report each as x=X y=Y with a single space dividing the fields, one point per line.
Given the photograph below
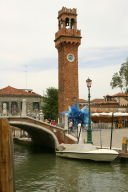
x=89 y=132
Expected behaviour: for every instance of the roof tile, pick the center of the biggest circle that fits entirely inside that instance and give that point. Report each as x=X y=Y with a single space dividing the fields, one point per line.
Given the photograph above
x=11 y=91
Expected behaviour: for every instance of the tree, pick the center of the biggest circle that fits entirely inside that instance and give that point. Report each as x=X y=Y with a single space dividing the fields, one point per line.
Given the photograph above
x=120 y=79
x=50 y=106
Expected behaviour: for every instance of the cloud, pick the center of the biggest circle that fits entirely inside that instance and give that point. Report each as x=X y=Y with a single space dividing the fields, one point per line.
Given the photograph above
x=88 y=58
x=43 y=64
x=104 y=56
x=101 y=78
x=39 y=81
x=27 y=51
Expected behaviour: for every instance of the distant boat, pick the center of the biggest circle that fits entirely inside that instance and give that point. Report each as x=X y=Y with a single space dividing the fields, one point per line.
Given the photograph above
x=86 y=151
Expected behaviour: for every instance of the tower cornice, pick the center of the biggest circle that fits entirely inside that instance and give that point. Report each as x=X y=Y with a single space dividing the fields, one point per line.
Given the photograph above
x=65 y=36
x=68 y=35
x=65 y=11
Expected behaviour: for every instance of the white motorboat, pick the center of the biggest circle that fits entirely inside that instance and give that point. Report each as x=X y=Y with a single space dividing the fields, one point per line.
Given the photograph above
x=86 y=151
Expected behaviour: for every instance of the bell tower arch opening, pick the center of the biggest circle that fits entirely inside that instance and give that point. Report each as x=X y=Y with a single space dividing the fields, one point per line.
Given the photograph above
x=67 y=41
x=67 y=22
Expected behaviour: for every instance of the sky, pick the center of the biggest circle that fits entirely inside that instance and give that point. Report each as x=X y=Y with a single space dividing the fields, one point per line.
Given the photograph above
x=29 y=59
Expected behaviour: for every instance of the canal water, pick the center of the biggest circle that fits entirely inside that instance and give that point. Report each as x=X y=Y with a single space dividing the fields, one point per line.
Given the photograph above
x=44 y=172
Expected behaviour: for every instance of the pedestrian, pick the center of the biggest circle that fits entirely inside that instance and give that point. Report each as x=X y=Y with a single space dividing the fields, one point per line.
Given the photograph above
x=79 y=133
x=79 y=126
x=53 y=122
x=71 y=126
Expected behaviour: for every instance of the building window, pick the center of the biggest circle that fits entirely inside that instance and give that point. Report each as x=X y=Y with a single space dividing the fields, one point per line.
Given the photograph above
x=36 y=106
x=7 y=105
x=14 y=108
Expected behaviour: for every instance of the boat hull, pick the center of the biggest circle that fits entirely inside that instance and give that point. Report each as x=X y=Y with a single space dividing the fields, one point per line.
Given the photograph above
x=86 y=151
x=88 y=156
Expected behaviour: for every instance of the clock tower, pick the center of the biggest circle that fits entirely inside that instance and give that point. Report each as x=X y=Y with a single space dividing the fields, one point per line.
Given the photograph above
x=67 y=41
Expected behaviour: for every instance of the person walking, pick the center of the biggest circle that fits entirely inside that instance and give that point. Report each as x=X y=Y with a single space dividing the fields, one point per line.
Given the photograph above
x=70 y=126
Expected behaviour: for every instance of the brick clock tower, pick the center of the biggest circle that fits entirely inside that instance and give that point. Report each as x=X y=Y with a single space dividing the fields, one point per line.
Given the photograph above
x=67 y=41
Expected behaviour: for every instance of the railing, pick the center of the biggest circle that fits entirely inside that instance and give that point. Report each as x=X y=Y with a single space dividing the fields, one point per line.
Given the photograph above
x=103 y=126
x=69 y=32
x=36 y=116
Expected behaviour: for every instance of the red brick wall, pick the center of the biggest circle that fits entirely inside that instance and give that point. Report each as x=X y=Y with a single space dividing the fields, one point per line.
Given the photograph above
x=68 y=77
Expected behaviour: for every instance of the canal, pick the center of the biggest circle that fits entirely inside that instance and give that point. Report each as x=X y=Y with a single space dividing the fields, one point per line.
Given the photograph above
x=44 y=172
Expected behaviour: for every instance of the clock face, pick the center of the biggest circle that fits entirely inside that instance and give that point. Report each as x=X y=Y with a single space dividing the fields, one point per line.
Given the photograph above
x=70 y=57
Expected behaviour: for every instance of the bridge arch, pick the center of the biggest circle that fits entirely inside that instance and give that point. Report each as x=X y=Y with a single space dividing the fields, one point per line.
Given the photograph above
x=40 y=135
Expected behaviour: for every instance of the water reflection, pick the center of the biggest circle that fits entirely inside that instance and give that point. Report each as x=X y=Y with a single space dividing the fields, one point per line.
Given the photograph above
x=38 y=172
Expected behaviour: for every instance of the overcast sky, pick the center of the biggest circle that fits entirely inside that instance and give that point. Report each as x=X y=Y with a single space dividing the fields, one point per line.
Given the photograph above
x=28 y=58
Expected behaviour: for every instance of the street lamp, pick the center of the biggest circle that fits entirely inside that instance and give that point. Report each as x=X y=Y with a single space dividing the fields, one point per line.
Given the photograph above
x=89 y=132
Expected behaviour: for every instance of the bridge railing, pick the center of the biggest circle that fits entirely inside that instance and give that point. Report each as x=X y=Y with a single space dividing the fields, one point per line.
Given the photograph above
x=26 y=117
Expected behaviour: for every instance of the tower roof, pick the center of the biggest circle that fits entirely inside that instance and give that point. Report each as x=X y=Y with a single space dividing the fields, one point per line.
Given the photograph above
x=66 y=11
x=11 y=91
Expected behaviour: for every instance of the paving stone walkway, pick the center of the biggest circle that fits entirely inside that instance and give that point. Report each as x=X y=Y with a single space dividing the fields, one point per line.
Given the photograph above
x=118 y=135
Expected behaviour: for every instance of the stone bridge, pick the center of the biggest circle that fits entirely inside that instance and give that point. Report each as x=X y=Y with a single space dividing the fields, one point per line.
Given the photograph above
x=42 y=134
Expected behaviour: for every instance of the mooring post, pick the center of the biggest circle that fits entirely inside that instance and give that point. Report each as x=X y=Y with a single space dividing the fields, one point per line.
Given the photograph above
x=124 y=144
x=6 y=158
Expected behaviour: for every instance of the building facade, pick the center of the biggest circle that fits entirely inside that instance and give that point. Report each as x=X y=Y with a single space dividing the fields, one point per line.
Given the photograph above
x=12 y=99
x=102 y=109
x=111 y=103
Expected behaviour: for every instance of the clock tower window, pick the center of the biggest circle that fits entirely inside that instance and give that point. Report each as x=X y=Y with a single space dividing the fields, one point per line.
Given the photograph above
x=72 y=23
x=67 y=24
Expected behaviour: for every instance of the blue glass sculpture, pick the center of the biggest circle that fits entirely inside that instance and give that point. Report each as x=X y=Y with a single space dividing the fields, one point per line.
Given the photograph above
x=77 y=115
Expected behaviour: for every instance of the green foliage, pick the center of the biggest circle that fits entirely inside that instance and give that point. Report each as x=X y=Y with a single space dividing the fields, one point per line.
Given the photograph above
x=50 y=106
x=116 y=81
x=120 y=79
